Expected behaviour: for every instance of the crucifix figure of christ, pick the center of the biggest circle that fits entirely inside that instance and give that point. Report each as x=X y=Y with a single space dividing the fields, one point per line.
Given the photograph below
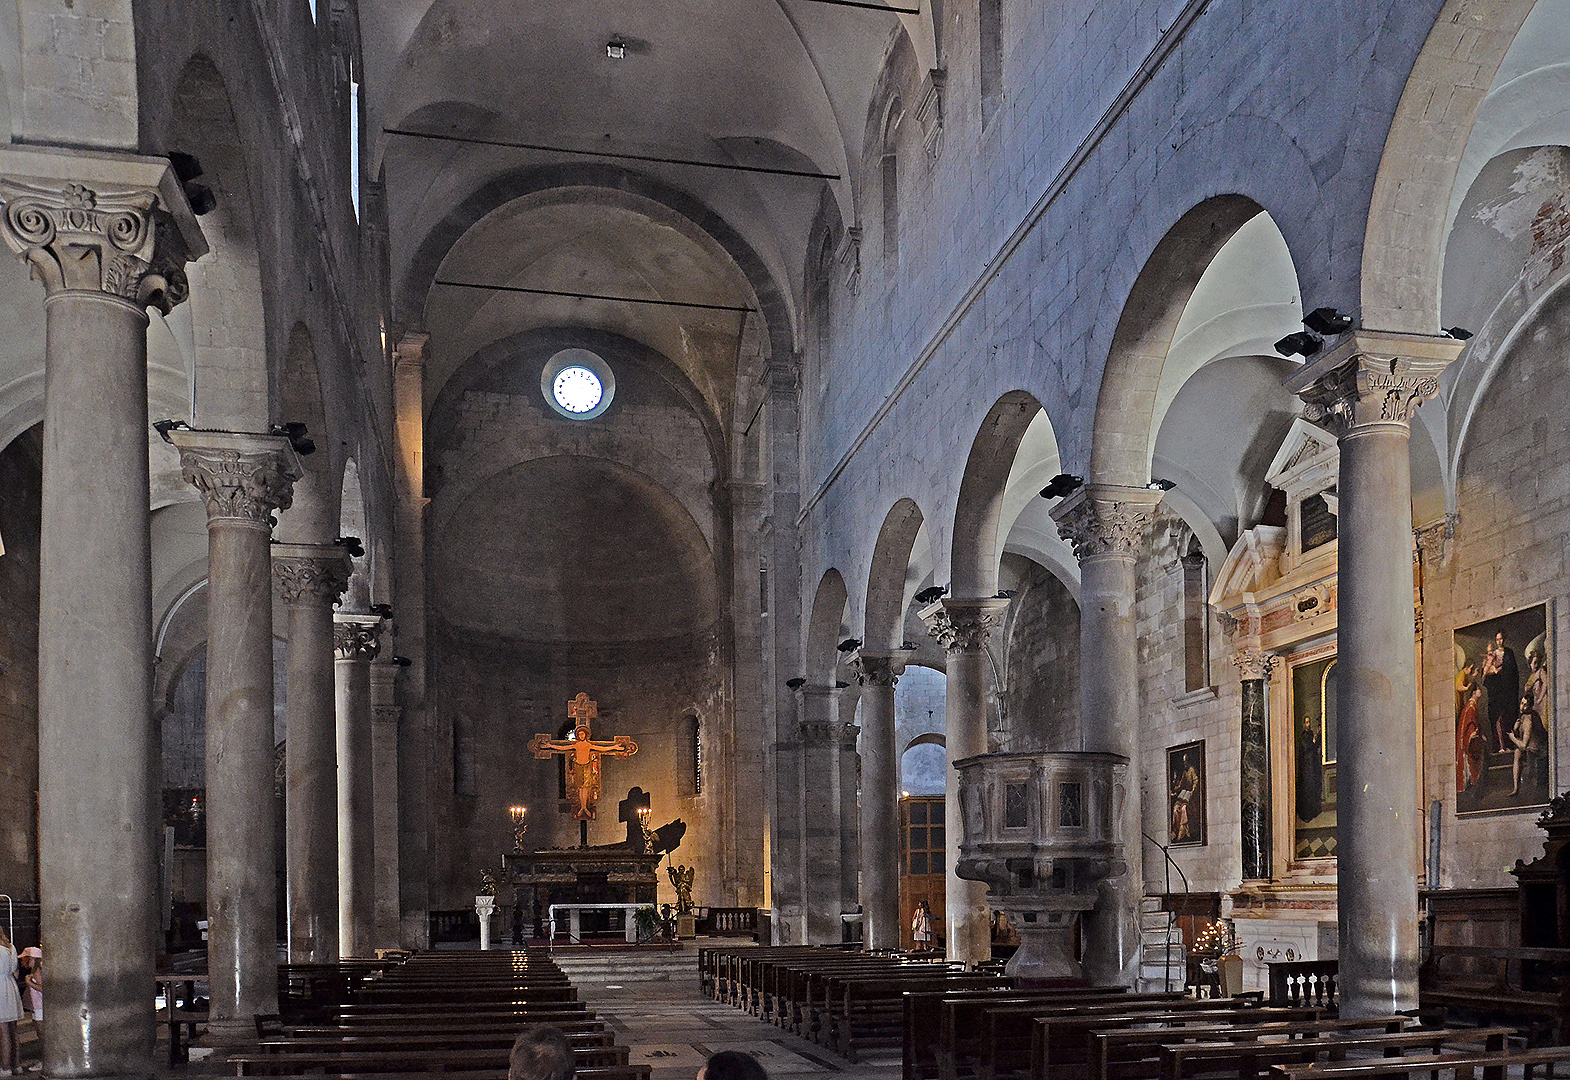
x=583 y=756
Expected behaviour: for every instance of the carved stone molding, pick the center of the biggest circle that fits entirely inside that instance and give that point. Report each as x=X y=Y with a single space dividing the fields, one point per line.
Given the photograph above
x=850 y=258
x=1255 y=664
x=242 y=477
x=411 y=348
x=1373 y=380
x=929 y=111
x=357 y=637
x=1100 y=519
x=310 y=572
x=962 y=625
x=820 y=733
x=1433 y=541
x=97 y=237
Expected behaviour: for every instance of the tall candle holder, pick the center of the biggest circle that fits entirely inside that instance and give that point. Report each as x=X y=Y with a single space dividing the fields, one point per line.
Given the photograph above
x=518 y=828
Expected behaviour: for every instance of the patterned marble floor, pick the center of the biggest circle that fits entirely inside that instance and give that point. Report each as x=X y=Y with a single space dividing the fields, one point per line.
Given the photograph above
x=672 y=1028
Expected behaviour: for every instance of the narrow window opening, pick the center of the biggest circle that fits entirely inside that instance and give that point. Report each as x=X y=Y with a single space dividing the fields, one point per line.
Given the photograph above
x=991 y=17
x=462 y=755
x=890 y=206
x=354 y=147
x=1196 y=619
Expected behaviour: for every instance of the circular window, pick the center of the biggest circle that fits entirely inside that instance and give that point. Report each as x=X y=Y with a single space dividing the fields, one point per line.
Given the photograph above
x=577 y=384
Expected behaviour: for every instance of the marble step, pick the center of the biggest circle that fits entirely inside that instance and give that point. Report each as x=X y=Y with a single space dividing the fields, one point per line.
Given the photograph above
x=612 y=965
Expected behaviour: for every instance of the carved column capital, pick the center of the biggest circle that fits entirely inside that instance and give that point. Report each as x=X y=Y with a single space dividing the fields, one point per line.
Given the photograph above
x=410 y=348
x=1373 y=380
x=1433 y=540
x=87 y=223
x=1255 y=664
x=310 y=572
x=820 y=733
x=242 y=477
x=1102 y=519
x=357 y=637
x=962 y=625
x=874 y=669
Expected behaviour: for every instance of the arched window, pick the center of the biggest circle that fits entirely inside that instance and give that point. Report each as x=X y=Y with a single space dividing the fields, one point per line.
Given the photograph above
x=462 y=755
x=891 y=180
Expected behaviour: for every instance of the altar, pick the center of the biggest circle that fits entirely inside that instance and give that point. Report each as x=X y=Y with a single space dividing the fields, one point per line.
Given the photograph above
x=586 y=878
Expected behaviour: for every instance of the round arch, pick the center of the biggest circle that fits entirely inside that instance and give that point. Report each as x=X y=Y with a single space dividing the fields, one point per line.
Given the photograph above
x=823 y=630
x=888 y=584
x=973 y=562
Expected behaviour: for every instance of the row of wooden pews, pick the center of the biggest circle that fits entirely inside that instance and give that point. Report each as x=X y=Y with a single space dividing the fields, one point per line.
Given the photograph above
x=452 y=1014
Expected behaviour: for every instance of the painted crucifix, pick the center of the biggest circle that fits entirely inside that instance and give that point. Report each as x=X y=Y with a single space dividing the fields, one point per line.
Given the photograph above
x=583 y=756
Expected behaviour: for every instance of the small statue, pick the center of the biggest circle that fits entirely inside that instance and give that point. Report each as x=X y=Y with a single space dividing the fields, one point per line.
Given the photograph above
x=681 y=877
x=487 y=883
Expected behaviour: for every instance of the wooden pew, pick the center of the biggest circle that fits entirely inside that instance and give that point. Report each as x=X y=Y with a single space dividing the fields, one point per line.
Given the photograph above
x=1494 y=1066
x=1247 y=1061
x=923 y=1019
x=1529 y=986
x=1048 y=1043
x=868 y=1013
x=286 y=1062
x=1134 y=1053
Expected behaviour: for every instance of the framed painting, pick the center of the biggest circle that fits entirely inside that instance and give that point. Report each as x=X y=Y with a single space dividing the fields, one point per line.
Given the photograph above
x=1504 y=710
x=1313 y=771
x=1186 y=794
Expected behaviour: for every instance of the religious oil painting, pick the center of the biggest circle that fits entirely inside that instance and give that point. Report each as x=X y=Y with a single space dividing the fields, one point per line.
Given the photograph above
x=1504 y=702
x=1186 y=794
x=1313 y=692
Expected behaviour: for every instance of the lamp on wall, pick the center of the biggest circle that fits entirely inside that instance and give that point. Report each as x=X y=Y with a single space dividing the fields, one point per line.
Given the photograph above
x=1062 y=484
x=1327 y=321
x=1303 y=343
x=850 y=644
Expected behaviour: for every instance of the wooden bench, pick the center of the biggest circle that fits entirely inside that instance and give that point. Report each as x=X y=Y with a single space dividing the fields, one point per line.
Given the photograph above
x=1134 y=1053
x=965 y=1027
x=1495 y=1066
x=924 y=1019
x=1059 y=1047
x=869 y=1013
x=1247 y=1061
x=1528 y=986
x=285 y=1062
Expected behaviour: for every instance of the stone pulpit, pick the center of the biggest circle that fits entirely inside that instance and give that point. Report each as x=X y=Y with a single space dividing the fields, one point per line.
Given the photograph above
x=1041 y=829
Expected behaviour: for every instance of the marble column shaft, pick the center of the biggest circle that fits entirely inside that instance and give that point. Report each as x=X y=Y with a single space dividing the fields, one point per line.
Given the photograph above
x=1255 y=668
x=242 y=478
x=1106 y=526
x=355 y=639
x=1365 y=391
x=820 y=814
x=386 y=714
x=310 y=578
x=961 y=626
x=106 y=245
x=880 y=843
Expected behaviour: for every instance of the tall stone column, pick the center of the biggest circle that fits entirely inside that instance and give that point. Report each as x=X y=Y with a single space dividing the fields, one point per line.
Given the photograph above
x=878 y=675
x=310 y=578
x=1365 y=391
x=1254 y=670
x=355 y=640
x=243 y=478
x=850 y=812
x=1106 y=527
x=417 y=740
x=108 y=238
x=962 y=626
x=385 y=716
x=820 y=813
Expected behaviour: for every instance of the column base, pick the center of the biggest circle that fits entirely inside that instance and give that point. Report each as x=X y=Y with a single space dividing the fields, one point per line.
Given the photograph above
x=228 y=1034
x=1045 y=953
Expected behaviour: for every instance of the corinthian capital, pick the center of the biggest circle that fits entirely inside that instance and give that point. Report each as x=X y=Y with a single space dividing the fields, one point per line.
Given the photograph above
x=242 y=477
x=873 y=669
x=1101 y=519
x=1373 y=380
x=310 y=572
x=962 y=625
x=1255 y=664
x=357 y=637
x=116 y=225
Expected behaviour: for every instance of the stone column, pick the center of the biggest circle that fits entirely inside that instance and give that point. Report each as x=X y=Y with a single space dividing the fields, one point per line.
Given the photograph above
x=108 y=238
x=385 y=715
x=243 y=478
x=962 y=626
x=850 y=812
x=820 y=814
x=417 y=741
x=356 y=644
x=1106 y=526
x=1365 y=391
x=1254 y=669
x=310 y=578
x=878 y=675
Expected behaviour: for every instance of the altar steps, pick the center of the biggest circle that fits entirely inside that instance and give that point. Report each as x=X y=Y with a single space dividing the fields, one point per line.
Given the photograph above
x=641 y=964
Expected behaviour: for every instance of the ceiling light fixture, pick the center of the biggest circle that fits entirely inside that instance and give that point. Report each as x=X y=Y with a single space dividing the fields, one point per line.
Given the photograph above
x=616 y=49
x=1303 y=343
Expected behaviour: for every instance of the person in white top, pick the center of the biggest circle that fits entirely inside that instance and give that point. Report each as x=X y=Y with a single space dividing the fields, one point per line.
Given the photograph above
x=10 y=1008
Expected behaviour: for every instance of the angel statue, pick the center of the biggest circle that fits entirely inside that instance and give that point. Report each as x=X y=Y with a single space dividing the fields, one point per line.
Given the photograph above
x=681 y=877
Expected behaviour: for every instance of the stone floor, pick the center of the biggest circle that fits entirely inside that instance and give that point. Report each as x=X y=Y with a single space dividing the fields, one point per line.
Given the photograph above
x=654 y=1007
